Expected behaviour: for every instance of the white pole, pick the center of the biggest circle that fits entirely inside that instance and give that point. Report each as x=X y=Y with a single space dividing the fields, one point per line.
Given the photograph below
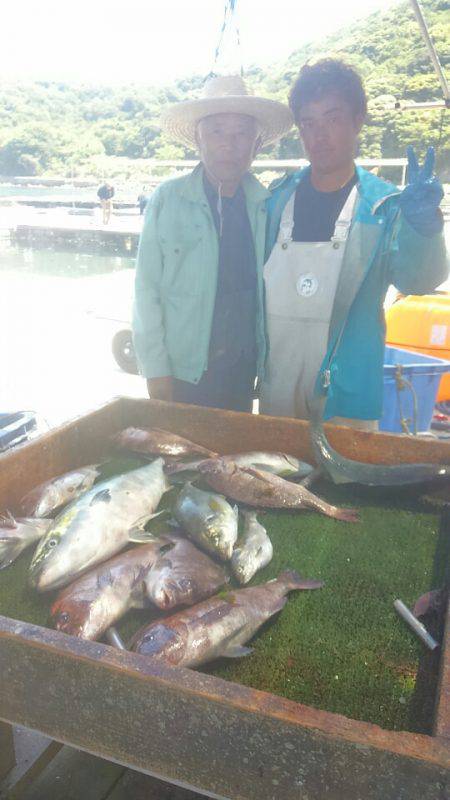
x=431 y=50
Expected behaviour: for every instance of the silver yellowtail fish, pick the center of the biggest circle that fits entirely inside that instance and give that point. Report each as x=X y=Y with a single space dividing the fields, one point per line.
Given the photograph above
x=18 y=534
x=168 y=572
x=97 y=525
x=253 y=552
x=47 y=497
x=208 y=519
x=255 y=487
x=220 y=626
x=345 y=470
x=278 y=463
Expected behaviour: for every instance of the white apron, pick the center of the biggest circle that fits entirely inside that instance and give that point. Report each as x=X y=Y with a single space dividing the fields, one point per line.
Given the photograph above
x=300 y=280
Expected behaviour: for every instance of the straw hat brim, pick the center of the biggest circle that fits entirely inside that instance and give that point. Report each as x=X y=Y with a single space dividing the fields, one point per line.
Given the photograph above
x=180 y=120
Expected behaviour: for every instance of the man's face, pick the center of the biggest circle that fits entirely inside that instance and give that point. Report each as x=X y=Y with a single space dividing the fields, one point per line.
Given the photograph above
x=329 y=131
x=227 y=144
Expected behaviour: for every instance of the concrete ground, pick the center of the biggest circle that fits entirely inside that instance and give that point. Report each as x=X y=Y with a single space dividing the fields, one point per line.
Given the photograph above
x=54 y=350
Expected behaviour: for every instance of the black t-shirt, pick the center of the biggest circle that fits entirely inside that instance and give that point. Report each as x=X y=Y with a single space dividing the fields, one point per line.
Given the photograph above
x=105 y=192
x=315 y=213
x=234 y=321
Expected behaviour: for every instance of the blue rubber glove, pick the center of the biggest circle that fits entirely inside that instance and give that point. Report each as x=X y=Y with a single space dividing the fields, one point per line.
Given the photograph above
x=420 y=199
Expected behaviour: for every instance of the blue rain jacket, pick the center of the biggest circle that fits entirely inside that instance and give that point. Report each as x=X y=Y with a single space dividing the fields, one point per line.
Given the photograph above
x=382 y=249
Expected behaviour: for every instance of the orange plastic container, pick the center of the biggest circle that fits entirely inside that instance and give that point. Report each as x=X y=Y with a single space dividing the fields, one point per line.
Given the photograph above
x=422 y=323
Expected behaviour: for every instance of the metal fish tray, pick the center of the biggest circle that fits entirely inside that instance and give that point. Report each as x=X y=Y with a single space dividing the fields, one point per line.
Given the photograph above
x=220 y=738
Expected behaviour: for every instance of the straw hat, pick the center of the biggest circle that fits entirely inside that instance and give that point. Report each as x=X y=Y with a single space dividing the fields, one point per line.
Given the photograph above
x=225 y=95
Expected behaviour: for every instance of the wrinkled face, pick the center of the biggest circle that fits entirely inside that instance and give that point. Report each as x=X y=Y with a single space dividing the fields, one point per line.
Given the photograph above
x=227 y=144
x=329 y=132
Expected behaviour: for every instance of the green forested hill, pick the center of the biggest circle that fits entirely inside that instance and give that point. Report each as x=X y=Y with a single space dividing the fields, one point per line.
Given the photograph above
x=57 y=127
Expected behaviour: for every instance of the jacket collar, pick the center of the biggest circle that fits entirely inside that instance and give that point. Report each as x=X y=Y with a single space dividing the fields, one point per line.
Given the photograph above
x=193 y=189
x=371 y=189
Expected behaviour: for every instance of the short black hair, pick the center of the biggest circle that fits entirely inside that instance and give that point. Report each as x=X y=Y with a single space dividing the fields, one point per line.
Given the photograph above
x=329 y=75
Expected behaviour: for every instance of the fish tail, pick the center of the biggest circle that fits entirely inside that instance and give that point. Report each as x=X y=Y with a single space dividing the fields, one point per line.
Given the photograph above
x=343 y=514
x=292 y=580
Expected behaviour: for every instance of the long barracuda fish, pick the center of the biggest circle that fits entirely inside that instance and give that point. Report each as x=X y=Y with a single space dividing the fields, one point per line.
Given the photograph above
x=345 y=470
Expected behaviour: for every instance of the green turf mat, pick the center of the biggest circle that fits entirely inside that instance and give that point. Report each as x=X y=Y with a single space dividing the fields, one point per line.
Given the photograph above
x=340 y=648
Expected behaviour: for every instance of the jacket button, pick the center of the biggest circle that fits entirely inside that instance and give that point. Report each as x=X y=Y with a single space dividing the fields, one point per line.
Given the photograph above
x=336 y=245
x=284 y=246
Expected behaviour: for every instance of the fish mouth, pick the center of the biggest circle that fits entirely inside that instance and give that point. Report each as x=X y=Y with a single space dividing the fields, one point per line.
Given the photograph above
x=40 y=580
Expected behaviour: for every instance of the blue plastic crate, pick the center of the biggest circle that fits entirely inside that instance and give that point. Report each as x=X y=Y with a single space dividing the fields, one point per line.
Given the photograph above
x=424 y=373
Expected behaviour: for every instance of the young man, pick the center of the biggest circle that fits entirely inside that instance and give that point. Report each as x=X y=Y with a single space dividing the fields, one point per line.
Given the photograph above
x=337 y=237
x=198 y=322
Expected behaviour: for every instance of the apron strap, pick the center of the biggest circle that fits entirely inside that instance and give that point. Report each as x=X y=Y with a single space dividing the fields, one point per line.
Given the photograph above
x=341 y=228
x=344 y=221
x=287 y=222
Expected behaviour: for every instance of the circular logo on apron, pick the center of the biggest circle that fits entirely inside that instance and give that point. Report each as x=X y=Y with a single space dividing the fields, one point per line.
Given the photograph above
x=307 y=285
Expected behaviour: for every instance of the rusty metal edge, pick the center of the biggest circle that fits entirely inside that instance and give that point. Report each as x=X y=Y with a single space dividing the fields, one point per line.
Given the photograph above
x=349 y=441
x=431 y=750
x=442 y=709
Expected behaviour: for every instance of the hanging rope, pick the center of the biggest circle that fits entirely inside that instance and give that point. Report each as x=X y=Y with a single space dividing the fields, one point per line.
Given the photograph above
x=229 y=22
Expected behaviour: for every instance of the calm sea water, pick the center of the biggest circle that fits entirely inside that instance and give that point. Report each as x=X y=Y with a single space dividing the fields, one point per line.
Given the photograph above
x=58 y=263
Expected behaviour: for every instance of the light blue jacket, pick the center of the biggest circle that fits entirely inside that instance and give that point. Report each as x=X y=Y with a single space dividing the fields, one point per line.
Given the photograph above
x=382 y=249
x=176 y=277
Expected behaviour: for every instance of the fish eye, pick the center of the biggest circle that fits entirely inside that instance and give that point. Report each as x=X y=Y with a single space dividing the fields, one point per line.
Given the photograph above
x=64 y=617
x=52 y=543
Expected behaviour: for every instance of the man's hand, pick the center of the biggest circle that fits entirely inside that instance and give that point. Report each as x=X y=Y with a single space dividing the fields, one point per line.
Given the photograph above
x=160 y=388
x=420 y=199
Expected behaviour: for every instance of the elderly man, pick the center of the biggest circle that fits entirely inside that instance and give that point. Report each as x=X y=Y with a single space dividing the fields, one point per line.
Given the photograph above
x=198 y=321
x=337 y=237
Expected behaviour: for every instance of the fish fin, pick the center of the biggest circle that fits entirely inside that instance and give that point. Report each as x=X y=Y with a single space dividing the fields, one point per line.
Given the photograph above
x=137 y=532
x=139 y=535
x=346 y=514
x=7 y=520
x=182 y=466
x=103 y=496
x=237 y=651
x=258 y=473
x=13 y=551
x=295 y=581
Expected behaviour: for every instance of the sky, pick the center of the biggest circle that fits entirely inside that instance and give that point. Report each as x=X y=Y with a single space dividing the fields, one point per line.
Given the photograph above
x=157 y=41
